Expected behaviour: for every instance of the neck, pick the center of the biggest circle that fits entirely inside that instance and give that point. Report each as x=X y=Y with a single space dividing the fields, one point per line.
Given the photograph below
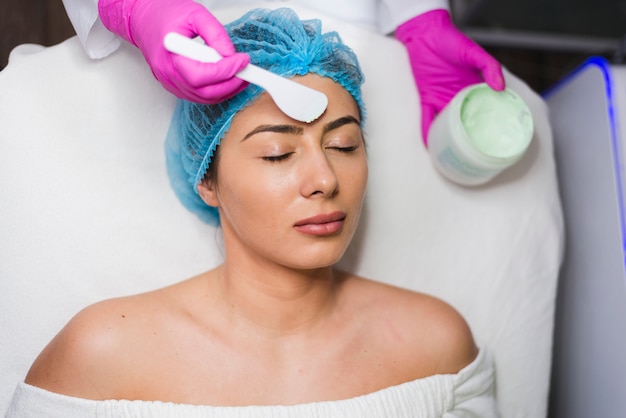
x=276 y=301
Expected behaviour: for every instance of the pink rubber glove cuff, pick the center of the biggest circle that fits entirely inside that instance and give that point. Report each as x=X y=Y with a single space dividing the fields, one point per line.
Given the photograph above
x=115 y=15
x=444 y=61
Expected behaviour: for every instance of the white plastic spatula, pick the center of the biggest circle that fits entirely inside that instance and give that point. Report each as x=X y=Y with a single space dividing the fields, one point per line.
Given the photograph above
x=299 y=102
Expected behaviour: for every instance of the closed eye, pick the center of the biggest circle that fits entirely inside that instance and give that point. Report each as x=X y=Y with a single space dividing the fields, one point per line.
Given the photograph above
x=276 y=158
x=346 y=149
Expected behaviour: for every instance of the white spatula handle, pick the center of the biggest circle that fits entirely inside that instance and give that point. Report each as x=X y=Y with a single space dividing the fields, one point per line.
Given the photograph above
x=189 y=48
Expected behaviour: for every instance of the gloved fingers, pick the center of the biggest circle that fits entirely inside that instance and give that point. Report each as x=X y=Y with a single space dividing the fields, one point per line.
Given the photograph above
x=493 y=76
x=212 y=32
x=199 y=74
x=217 y=93
x=212 y=91
x=212 y=94
x=428 y=114
x=475 y=56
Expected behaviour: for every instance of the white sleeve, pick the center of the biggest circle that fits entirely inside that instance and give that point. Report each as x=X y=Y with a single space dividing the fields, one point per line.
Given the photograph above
x=96 y=39
x=474 y=391
x=392 y=13
x=33 y=402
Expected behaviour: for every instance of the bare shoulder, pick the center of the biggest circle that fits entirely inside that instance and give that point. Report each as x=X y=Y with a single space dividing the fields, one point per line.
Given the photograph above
x=88 y=356
x=425 y=331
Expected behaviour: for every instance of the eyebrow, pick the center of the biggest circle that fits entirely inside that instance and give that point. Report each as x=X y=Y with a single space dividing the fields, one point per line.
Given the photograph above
x=297 y=130
x=280 y=129
x=337 y=123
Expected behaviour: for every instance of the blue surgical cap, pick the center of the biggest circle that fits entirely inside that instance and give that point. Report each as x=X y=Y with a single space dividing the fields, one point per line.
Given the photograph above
x=278 y=41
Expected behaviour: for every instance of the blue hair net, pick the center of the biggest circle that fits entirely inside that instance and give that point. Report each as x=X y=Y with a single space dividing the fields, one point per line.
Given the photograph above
x=278 y=41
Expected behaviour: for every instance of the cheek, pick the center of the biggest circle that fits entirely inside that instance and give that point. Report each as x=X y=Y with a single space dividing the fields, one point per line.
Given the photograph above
x=356 y=176
x=250 y=194
x=364 y=176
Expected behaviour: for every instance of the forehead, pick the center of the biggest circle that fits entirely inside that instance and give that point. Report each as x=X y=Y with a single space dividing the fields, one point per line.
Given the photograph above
x=264 y=110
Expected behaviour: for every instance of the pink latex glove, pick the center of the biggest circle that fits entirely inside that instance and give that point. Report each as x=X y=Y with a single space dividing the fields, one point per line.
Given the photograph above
x=444 y=61
x=144 y=23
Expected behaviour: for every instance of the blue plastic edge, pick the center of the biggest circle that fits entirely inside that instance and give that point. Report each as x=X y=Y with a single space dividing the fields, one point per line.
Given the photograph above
x=603 y=65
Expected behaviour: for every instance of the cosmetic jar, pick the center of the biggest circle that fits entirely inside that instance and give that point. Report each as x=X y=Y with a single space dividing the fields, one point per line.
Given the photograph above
x=480 y=133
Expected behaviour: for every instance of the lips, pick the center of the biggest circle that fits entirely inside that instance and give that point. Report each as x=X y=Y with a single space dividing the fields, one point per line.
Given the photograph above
x=320 y=225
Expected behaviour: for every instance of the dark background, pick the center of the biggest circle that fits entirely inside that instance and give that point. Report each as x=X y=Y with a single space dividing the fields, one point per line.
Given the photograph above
x=539 y=40
x=543 y=40
x=31 y=21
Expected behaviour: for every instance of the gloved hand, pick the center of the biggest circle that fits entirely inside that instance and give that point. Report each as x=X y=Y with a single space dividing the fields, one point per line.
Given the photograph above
x=444 y=61
x=144 y=23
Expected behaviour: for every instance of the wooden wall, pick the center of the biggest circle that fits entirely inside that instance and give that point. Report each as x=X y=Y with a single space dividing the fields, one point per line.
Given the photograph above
x=31 y=21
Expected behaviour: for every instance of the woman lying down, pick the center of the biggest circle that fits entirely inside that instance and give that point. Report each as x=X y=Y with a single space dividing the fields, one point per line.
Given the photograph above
x=275 y=330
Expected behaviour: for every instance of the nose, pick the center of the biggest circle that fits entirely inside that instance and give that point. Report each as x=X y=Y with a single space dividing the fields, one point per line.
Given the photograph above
x=318 y=176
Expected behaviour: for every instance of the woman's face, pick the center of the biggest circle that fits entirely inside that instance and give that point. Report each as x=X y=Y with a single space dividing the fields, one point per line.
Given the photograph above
x=289 y=192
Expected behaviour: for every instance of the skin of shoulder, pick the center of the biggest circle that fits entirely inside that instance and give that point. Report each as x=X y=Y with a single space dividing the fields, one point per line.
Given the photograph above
x=428 y=335
x=85 y=359
x=104 y=351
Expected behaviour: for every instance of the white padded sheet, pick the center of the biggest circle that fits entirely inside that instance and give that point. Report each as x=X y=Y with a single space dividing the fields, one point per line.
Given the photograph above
x=86 y=211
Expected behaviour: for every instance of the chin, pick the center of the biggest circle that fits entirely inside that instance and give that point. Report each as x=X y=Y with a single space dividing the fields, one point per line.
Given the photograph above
x=314 y=260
